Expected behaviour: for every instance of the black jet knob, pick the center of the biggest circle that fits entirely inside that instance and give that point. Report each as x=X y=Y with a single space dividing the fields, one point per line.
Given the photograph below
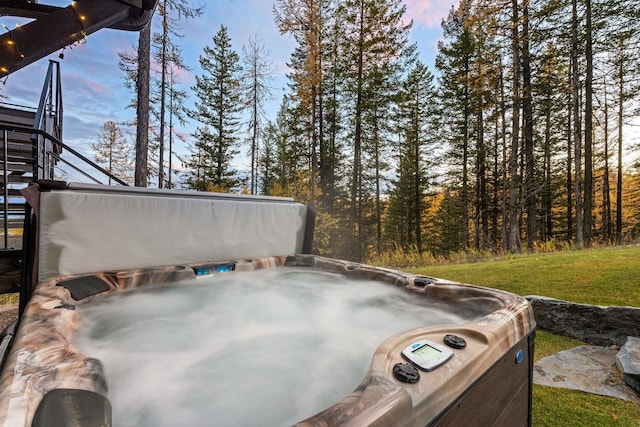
x=406 y=373
x=455 y=341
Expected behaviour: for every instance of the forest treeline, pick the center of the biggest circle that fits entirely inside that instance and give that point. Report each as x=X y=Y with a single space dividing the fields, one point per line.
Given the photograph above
x=522 y=135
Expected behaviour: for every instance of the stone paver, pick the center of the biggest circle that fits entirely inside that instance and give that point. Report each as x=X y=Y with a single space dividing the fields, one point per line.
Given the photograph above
x=587 y=368
x=628 y=361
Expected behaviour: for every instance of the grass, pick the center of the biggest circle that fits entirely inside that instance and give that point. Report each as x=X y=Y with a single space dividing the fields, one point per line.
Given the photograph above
x=608 y=276
x=555 y=407
x=9 y=299
x=13 y=232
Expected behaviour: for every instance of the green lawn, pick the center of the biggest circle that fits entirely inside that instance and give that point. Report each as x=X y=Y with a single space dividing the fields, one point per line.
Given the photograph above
x=608 y=276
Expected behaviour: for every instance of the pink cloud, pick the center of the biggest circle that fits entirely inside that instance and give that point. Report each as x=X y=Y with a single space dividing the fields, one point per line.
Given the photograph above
x=428 y=13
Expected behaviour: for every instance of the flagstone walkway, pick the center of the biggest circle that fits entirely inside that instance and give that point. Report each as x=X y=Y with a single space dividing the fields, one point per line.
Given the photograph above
x=587 y=368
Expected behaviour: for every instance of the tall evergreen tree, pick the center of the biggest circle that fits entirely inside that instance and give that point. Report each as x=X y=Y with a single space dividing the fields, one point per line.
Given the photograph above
x=303 y=19
x=415 y=158
x=257 y=75
x=137 y=68
x=177 y=113
x=375 y=44
x=588 y=126
x=113 y=151
x=454 y=63
x=332 y=153
x=142 y=106
x=168 y=56
x=551 y=90
x=217 y=109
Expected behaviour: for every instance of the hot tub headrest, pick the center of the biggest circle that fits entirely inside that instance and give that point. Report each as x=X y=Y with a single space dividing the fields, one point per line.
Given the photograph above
x=91 y=228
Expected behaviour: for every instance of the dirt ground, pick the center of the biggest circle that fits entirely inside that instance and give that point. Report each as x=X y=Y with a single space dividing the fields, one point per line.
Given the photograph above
x=8 y=313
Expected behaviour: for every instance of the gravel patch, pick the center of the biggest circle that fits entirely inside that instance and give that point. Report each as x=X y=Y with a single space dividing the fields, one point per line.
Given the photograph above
x=8 y=313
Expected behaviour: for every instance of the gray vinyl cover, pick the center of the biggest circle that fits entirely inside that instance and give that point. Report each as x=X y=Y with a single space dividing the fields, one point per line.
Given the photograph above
x=92 y=231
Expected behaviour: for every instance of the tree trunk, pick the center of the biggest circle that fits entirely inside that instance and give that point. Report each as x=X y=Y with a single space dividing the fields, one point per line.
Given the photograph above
x=481 y=219
x=142 y=107
x=354 y=220
x=606 y=189
x=514 y=230
x=620 y=123
x=577 y=128
x=548 y=175
x=588 y=134
x=378 y=190
x=465 y=159
x=569 y=160
x=505 y=164
x=417 y=184
x=495 y=209
x=171 y=93
x=527 y=111
x=254 y=125
x=163 y=94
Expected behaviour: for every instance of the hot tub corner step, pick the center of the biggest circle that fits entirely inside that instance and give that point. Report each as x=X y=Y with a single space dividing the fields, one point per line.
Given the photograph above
x=628 y=361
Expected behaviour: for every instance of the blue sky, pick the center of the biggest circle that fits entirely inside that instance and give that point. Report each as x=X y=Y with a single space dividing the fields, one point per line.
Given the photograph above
x=93 y=85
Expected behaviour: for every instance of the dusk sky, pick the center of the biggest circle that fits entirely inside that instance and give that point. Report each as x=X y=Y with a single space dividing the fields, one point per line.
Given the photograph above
x=93 y=85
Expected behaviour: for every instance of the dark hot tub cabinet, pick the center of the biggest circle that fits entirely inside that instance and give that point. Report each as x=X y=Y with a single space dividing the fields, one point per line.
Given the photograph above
x=91 y=241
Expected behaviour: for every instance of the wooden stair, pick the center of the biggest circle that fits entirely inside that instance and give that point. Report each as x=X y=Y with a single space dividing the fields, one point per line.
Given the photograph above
x=17 y=171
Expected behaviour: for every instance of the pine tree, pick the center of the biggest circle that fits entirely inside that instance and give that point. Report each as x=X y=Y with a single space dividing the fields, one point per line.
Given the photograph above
x=137 y=68
x=303 y=19
x=113 y=151
x=217 y=108
x=404 y=225
x=142 y=107
x=257 y=75
x=454 y=63
x=177 y=112
x=266 y=170
x=375 y=47
x=332 y=155
x=551 y=90
x=168 y=56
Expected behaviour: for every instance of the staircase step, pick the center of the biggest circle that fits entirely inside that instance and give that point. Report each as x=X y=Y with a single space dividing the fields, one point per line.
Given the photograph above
x=14 y=218
x=17 y=181
x=15 y=116
x=16 y=158
x=20 y=134
x=13 y=192
x=13 y=205
x=17 y=153
x=17 y=145
x=18 y=168
x=12 y=224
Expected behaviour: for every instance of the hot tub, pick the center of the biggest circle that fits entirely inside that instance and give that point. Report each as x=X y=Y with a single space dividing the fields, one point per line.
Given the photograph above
x=100 y=277
x=468 y=357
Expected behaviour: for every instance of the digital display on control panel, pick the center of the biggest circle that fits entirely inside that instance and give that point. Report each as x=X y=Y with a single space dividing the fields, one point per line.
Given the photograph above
x=426 y=351
x=427 y=355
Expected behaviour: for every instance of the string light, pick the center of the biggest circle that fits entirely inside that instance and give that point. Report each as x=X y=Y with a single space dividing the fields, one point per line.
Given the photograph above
x=81 y=18
x=11 y=42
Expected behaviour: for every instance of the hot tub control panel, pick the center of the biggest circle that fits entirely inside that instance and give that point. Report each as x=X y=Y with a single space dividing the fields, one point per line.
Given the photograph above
x=427 y=355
